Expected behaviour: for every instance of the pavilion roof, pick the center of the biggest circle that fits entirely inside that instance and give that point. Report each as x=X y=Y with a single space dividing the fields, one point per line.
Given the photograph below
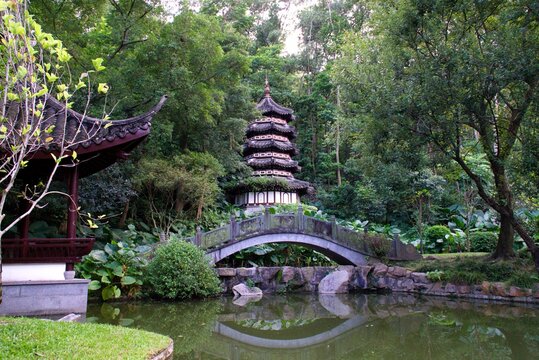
x=98 y=142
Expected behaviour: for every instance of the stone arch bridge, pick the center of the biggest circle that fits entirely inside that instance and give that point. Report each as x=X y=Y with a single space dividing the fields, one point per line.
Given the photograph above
x=339 y=243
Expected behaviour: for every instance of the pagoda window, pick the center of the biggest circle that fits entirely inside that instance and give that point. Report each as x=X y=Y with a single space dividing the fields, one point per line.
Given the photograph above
x=271 y=197
x=286 y=198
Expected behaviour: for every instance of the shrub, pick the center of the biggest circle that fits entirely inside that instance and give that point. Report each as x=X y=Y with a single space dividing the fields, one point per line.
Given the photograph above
x=483 y=241
x=180 y=270
x=435 y=237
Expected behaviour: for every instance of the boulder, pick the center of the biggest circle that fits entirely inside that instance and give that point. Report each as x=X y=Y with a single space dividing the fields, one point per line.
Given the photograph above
x=244 y=290
x=334 y=283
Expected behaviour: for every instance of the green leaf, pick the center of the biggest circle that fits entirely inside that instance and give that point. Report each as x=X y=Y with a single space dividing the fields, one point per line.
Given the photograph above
x=94 y=285
x=128 y=280
x=99 y=255
x=97 y=64
x=105 y=280
x=110 y=292
x=118 y=271
x=102 y=272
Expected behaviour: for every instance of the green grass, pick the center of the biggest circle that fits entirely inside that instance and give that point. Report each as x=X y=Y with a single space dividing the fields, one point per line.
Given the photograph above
x=26 y=338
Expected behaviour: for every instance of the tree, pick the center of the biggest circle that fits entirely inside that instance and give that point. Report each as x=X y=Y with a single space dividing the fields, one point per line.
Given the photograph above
x=450 y=73
x=34 y=66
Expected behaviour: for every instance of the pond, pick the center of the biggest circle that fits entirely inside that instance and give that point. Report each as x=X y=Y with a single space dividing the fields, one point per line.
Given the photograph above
x=352 y=326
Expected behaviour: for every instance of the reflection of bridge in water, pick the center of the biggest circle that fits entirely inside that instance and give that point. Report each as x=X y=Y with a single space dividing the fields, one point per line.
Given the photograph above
x=343 y=245
x=311 y=341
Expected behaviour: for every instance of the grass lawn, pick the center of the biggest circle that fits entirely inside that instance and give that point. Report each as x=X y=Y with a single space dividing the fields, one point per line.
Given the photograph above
x=26 y=338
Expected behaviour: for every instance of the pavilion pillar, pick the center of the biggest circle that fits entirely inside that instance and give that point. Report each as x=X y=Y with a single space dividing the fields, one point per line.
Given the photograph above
x=24 y=224
x=72 y=214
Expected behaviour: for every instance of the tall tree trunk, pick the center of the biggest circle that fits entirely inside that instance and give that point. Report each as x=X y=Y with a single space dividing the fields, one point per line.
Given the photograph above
x=506 y=239
x=123 y=218
x=338 y=138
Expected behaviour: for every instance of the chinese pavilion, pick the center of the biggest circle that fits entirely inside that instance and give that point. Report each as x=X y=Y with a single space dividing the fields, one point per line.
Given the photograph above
x=98 y=143
x=268 y=150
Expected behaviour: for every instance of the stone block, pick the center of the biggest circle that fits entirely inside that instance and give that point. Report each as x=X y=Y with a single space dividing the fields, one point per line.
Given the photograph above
x=334 y=283
x=288 y=273
x=268 y=273
x=361 y=280
x=226 y=272
x=515 y=291
x=399 y=271
x=485 y=287
x=379 y=270
x=246 y=272
x=450 y=288
x=419 y=277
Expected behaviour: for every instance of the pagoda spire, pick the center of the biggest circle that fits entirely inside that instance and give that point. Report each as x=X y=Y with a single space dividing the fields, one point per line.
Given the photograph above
x=267 y=88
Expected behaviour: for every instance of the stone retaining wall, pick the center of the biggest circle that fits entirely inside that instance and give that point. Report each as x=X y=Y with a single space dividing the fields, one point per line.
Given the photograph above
x=377 y=277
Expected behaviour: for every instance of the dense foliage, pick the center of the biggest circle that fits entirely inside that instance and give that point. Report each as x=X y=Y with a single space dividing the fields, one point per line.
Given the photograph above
x=410 y=114
x=180 y=270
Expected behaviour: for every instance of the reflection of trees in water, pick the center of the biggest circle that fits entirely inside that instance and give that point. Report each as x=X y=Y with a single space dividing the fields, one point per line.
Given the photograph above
x=398 y=326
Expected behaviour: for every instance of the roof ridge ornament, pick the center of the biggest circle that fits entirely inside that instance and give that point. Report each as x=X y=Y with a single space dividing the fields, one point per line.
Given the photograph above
x=267 y=88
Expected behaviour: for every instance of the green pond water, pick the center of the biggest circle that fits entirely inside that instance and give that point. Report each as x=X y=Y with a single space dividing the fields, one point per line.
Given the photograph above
x=354 y=326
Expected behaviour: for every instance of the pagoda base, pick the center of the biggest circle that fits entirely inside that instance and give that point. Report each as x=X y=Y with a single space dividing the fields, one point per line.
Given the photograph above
x=266 y=198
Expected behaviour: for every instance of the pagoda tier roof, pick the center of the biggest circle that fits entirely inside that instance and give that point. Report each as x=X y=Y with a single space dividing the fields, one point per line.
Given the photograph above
x=273 y=163
x=260 y=127
x=267 y=106
x=99 y=143
x=252 y=146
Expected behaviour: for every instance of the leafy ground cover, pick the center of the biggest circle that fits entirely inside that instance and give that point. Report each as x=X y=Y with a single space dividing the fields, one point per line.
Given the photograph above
x=24 y=338
x=474 y=268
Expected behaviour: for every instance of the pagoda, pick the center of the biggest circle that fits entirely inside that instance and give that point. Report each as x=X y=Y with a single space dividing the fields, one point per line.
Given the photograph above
x=268 y=150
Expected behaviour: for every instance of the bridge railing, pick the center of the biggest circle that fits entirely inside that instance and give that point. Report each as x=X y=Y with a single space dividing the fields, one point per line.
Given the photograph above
x=297 y=223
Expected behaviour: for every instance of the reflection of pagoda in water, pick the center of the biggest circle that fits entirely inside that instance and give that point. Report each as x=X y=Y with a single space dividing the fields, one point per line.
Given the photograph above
x=268 y=150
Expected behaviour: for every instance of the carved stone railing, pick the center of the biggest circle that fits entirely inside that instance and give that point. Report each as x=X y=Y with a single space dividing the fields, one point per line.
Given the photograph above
x=299 y=223
x=296 y=223
x=45 y=250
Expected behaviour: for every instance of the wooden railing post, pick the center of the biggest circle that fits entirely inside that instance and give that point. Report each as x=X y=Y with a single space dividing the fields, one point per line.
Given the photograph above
x=198 y=237
x=233 y=227
x=333 y=227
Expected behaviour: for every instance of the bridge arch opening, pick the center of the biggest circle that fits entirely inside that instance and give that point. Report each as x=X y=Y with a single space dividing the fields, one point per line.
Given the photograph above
x=338 y=253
